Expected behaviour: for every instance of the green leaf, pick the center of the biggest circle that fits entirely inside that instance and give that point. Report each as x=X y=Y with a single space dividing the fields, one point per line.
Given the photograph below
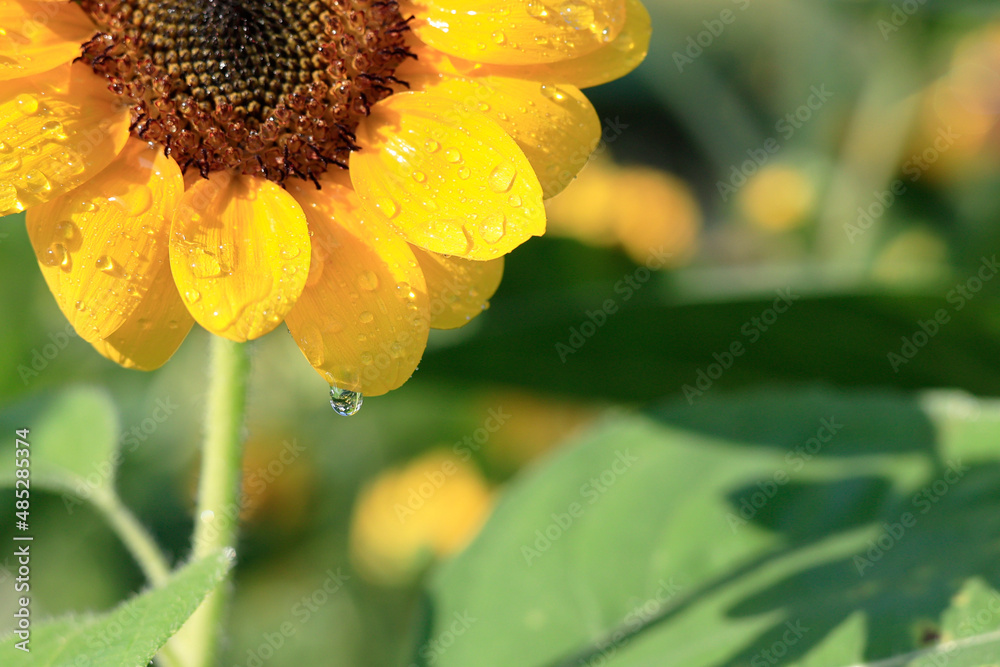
x=128 y=636
x=808 y=528
x=73 y=440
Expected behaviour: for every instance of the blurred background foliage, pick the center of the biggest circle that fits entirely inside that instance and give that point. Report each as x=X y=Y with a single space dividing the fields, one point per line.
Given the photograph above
x=845 y=154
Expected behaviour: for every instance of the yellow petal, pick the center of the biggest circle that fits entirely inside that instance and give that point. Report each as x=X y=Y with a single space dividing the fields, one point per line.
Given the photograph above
x=239 y=250
x=155 y=329
x=459 y=289
x=516 y=33
x=38 y=36
x=611 y=61
x=555 y=126
x=101 y=245
x=450 y=181
x=362 y=319
x=57 y=130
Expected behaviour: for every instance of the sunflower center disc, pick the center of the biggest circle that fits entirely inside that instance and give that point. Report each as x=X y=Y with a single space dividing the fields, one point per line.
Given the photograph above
x=271 y=88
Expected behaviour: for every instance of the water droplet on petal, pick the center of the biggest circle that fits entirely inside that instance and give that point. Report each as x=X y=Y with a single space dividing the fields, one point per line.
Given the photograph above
x=55 y=255
x=493 y=228
x=106 y=264
x=204 y=263
x=36 y=181
x=452 y=155
x=67 y=230
x=499 y=37
x=419 y=176
x=514 y=201
x=368 y=280
x=502 y=177
x=345 y=402
x=27 y=104
x=553 y=92
x=55 y=130
x=432 y=146
x=366 y=317
x=387 y=206
x=537 y=9
x=192 y=295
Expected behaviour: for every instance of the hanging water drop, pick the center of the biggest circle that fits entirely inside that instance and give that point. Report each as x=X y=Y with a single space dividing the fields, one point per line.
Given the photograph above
x=345 y=402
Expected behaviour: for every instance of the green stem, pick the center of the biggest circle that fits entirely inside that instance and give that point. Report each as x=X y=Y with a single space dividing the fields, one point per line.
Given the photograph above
x=217 y=518
x=135 y=538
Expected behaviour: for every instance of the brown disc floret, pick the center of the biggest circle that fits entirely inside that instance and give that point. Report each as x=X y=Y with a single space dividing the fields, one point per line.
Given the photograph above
x=270 y=88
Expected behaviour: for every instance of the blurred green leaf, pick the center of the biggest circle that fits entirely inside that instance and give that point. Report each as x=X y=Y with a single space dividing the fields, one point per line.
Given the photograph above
x=128 y=636
x=73 y=439
x=808 y=528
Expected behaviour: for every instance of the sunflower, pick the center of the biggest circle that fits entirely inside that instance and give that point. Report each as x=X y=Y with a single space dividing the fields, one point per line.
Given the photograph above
x=356 y=169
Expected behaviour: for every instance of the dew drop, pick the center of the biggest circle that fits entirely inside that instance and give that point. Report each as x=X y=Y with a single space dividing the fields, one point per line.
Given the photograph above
x=67 y=230
x=10 y=164
x=387 y=206
x=493 y=228
x=366 y=317
x=192 y=295
x=27 y=104
x=55 y=130
x=464 y=173
x=502 y=177
x=432 y=146
x=345 y=402
x=368 y=281
x=36 y=181
x=290 y=252
x=537 y=9
x=514 y=201
x=499 y=37
x=452 y=155
x=55 y=255
x=419 y=176
x=552 y=92
x=367 y=359
x=106 y=264
x=204 y=263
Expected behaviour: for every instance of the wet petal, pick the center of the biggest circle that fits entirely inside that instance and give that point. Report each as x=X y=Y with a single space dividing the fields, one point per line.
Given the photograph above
x=516 y=33
x=101 y=245
x=555 y=126
x=450 y=181
x=155 y=329
x=57 y=130
x=610 y=62
x=38 y=36
x=459 y=289
x=239 y=251
x=362 y=319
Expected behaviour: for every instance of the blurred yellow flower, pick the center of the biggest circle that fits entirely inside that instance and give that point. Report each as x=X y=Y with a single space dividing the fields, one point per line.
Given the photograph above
x=640 y=208
x=541 y=424
x=778 y=198
x=410 y=516
x=958 y=125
